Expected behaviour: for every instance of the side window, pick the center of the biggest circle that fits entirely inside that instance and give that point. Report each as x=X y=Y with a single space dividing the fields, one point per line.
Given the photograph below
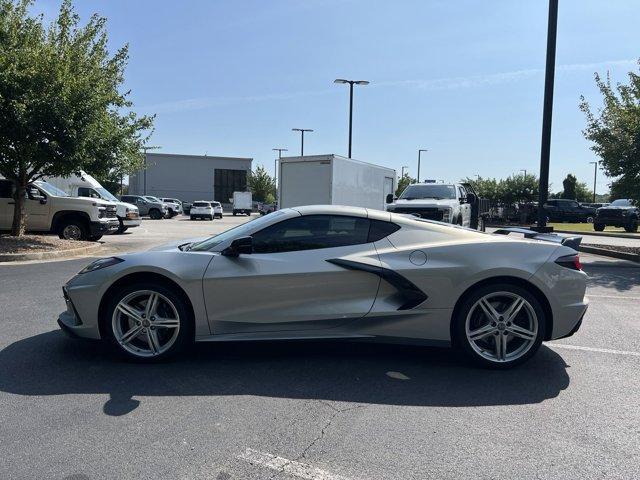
x=87 y=192
x=380 y=229
x=311 y=232
x=6 y=189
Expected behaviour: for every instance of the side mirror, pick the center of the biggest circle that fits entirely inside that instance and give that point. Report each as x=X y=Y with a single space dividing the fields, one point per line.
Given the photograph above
x=389 y=198
x=43 y=200
x=242 y=245
x=471 y=198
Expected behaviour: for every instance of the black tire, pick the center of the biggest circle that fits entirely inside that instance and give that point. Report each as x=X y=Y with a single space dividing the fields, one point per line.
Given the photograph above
x=598 y=227
x=121 y=228
x=462 y=310
x=155 y=214
x=211 y=218
x=192 y=217
x=185 y=335
x=235 y=213
x=631 y=227
x=73 y=229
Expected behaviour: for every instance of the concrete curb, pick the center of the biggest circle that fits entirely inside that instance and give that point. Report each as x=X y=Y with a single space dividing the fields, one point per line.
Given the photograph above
x=601 y=234
x=632 y=257
x=71 y=252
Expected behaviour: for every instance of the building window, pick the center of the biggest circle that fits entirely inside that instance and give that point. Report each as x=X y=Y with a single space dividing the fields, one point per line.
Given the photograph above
x=225 y=182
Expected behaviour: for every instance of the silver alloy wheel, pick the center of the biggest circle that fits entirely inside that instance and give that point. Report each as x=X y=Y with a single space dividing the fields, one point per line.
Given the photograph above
x=145 y=323
x=72 y=232
x=501 y=326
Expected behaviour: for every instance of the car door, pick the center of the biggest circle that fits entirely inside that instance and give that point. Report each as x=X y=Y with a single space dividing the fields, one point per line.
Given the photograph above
x=6 y=204
x=465 y=207
x=289 y=281
x=37 y=206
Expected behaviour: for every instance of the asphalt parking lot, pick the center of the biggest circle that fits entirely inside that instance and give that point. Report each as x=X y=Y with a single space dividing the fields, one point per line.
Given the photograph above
x=314 y=410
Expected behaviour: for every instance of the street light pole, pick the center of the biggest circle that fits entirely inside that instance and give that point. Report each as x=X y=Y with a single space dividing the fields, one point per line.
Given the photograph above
x=402 y=176
x=545 y=150
x=275 y=163
x=301 y=130
x=419 y=154
x=525 y=173
x=595 y=178
x=351 y=84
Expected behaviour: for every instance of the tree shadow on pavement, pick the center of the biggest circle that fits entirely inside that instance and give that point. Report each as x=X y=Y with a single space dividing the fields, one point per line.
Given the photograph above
x=621 y=276
x=51 y=364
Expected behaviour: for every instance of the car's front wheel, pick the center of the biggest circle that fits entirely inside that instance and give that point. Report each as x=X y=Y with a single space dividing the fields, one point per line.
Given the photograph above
x=148 y=322
x=598 y=227
x=499 y=325
x=632 y=226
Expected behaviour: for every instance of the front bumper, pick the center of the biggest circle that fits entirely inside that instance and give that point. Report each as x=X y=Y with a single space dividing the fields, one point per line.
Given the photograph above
x=71 y=323
x=131 y=223
x=104 y=227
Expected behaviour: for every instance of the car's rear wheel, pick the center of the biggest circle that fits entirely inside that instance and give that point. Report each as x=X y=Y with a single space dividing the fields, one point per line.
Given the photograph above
x=148 y=322
x=499 y=325
x=155 y=214
x=598 y=227
x=631 y=226
x=589 y=219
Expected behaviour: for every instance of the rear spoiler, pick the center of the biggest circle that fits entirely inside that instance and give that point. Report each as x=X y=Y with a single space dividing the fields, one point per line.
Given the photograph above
x=571 y=242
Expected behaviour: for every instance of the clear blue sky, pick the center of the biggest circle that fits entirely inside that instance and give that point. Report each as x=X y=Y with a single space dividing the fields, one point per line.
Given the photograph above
x=461 y=78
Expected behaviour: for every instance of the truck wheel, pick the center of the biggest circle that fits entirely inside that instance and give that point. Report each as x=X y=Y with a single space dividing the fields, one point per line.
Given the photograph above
x=631 y=227
x=122 y=228
x=155 y=214
x=459 y=222
x=598 y=227
x=73 y=230
x=235 y=212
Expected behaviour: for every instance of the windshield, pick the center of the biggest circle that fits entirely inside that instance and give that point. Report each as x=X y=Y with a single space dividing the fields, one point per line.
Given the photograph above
x=152 y=199
x=234 y=232
x=51 y=190
x=437 y=192
x=106 y=194
x=623 y=202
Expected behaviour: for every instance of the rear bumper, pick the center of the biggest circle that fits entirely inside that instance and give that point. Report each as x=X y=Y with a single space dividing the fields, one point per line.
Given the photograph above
x=201 y=215
x=568 y=319
x=104 y=228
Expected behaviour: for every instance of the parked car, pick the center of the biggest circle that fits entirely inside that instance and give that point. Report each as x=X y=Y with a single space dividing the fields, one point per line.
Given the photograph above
x=329 y=272
x=50 y=209
x=561 y=210
x=201 y=209
x=174 y=206
x=84 y=185
x=444 y=202
x=217 y=209
x=620 y=213
x=186 y=207
x=151 y=208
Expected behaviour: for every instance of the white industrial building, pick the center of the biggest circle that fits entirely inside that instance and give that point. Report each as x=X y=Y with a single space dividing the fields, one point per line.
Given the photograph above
x=191 y=177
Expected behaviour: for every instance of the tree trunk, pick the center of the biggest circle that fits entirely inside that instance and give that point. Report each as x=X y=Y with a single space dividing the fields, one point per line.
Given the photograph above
x=18 y=226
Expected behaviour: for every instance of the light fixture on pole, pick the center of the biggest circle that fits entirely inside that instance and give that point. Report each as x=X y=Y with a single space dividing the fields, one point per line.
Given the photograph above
x=351 y=84
x=595 y=178
x=419 y=154
x=301 y=130
x=275 y=163
x=404 y=166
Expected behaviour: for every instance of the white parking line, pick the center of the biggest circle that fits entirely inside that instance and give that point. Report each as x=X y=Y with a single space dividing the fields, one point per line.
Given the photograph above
x=297 y=469
x=620 y=297
x=592 y=349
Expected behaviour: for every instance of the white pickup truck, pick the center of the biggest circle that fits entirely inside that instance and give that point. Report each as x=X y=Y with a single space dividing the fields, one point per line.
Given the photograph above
x=444 y=202
x=49 y=209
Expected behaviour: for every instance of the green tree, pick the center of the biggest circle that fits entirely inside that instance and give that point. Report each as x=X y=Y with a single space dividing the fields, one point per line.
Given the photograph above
x=485 y=188
x=261 y=184
x=518 y=189
x=61 y=105
x=404 y=182
x=574 y=190
x=615 y=133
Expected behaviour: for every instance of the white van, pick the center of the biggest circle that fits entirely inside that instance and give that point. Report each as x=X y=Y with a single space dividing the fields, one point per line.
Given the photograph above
x=84 y=185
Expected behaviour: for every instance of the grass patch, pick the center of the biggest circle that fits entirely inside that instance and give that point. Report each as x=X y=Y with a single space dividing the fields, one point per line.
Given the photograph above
x=584 y=227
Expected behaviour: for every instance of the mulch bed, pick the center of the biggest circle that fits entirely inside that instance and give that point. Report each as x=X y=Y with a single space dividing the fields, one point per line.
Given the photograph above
x=37 y=243
x=615 y=248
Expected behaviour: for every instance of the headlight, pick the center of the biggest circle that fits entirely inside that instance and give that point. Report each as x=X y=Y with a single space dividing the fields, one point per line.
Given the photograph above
x=101 y=263
x=446 y=214
x=101 y=211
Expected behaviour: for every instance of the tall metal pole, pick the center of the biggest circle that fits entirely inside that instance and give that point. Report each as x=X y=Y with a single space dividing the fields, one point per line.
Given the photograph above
x=275 y=163
x=350 y=114
x=545 y=150
x=402 y=176
x=595 y=178
x=145 y=169
x=419 y=154
x=301 y=130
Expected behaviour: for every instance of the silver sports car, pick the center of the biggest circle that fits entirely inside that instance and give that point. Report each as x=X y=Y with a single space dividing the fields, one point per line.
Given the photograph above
x=329 y=272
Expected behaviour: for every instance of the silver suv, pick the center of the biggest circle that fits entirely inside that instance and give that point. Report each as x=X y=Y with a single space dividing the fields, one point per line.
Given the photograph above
x=154 y=209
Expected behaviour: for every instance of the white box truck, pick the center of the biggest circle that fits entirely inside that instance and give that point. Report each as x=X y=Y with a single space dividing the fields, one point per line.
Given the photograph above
x=84 y=185
x=333 y=180
x=242 y=203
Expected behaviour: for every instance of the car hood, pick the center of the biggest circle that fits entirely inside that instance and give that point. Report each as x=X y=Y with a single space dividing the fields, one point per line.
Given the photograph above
x=175 y=244
x=424 y=202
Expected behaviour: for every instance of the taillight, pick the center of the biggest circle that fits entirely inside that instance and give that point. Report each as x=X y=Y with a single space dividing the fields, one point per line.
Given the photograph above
x=570 y=261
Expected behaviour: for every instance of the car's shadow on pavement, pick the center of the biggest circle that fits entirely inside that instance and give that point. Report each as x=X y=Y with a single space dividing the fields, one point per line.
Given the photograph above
x=621 y=276
x=51 y=364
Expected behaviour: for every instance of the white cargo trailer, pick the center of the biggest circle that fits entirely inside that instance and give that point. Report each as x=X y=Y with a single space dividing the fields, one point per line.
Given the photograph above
x=242 y=203
x=333 y=180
